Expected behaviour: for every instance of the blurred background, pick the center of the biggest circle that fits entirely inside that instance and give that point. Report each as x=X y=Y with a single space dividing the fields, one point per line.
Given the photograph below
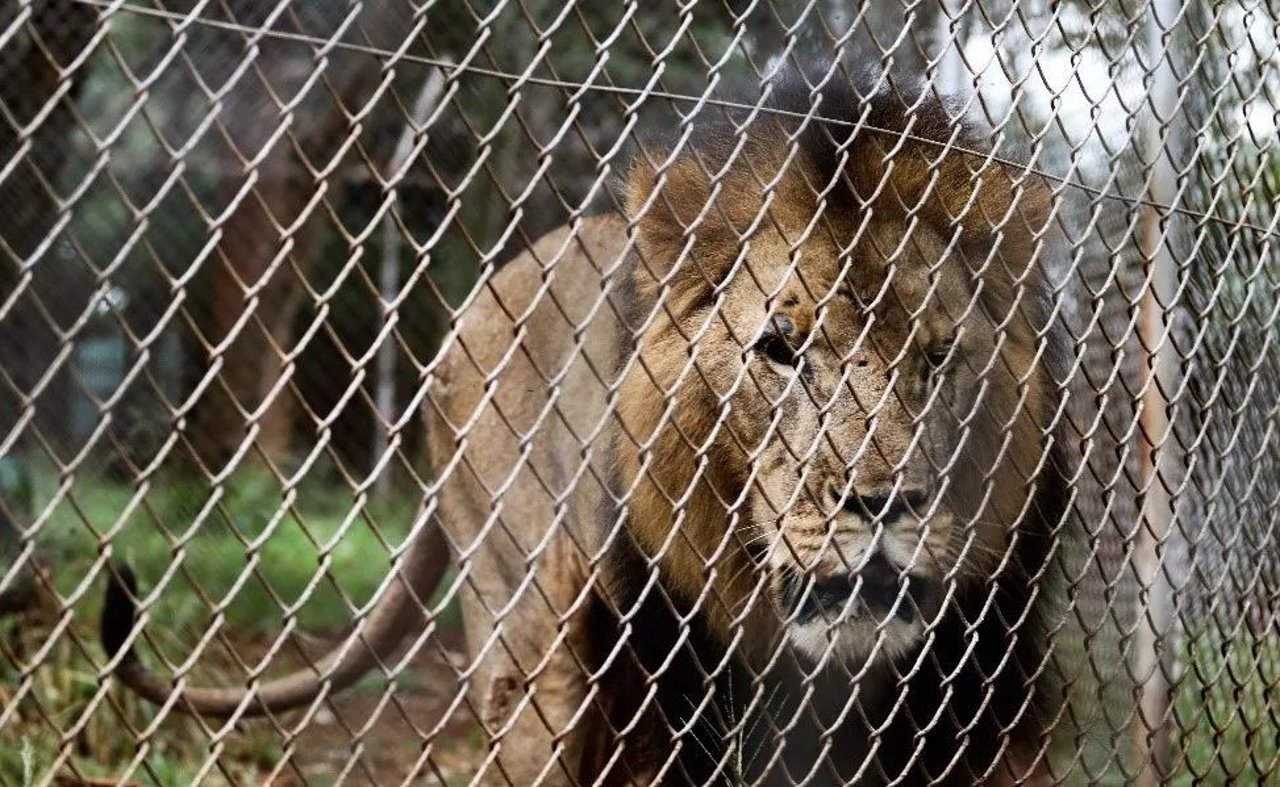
x=233 y=234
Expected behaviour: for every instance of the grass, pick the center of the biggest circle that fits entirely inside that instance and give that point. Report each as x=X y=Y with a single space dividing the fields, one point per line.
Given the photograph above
x=41 y=736
x=1229 y=700
x=1224 y=718
x=152 y=534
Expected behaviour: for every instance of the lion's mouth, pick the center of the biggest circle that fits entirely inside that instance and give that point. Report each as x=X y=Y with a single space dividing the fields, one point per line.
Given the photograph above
x=876 y=590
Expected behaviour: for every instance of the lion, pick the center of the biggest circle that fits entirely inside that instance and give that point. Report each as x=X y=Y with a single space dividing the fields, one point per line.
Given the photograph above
x=756 y=480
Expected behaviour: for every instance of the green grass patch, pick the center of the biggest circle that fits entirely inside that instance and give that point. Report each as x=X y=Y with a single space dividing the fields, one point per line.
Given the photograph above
x=212 y=538
x=1228 y=703
x=59 y=723
x=1223 y=724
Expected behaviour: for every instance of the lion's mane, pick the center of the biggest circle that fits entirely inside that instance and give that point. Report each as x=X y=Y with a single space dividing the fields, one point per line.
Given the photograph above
x=972 y=704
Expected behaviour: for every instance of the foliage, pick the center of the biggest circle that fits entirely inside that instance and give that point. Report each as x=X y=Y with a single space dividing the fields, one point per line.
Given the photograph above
x=152 y=534
x=214 y=556
x=1223 y=714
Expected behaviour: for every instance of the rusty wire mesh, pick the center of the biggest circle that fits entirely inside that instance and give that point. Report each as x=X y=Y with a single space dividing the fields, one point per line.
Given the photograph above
x=257 y=255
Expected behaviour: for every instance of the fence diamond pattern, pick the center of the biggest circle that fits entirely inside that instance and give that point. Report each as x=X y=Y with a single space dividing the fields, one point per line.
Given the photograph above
x=361 y=341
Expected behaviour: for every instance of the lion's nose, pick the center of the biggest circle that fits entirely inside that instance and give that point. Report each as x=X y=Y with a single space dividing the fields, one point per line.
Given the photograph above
x=886 y=508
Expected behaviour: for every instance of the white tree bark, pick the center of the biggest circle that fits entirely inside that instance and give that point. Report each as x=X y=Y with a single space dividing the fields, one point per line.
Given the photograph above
x=948 y=39
x=389 y=276
x=1155 y=637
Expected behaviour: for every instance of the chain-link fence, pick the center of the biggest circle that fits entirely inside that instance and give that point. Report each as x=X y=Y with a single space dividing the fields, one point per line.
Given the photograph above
x=553 y=392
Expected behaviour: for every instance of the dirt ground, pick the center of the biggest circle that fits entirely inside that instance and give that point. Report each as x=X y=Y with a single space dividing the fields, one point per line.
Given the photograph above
x=425 y=733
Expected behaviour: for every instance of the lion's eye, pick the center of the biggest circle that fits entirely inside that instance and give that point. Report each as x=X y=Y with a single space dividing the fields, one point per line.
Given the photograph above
x=777 y=349
x=939 y=354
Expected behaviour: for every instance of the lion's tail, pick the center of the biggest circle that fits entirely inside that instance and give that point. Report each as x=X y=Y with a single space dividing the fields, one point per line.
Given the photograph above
x=402 y=607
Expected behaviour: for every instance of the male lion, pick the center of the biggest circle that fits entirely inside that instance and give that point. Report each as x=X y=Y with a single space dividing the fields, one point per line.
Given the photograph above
x=758 y=484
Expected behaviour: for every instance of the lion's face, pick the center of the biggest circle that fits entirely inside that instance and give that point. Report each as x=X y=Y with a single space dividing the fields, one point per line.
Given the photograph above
x=848 y=382
x=842 y=385
x=834 y=423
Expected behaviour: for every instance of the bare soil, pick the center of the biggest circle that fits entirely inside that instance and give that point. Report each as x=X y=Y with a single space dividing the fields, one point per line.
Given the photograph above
x=424 y=733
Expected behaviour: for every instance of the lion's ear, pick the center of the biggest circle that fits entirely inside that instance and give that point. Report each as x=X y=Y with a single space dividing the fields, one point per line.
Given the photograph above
x=992 y=204
x=996 y=205
x=668 y=204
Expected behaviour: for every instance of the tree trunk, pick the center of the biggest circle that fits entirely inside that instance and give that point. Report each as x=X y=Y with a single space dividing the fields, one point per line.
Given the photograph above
x=1155 y=638
x=389 y=278
x=256 y=290
x=252 y=365
x=31 y=84
x=31 y=79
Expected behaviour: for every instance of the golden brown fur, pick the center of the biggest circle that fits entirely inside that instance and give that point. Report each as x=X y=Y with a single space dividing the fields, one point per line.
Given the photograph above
x=532 y=361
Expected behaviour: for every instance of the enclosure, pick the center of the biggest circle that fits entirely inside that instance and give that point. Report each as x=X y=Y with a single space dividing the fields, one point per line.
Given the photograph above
x=238 y=237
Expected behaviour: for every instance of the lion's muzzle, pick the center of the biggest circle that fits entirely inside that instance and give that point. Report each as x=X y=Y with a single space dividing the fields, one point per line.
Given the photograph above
x=877 y=589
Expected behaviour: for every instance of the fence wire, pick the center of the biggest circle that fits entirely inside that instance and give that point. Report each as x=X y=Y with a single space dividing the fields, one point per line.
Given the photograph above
x=552 y=392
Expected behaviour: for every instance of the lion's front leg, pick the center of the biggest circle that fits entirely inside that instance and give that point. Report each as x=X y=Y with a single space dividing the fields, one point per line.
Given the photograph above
x=533 y=693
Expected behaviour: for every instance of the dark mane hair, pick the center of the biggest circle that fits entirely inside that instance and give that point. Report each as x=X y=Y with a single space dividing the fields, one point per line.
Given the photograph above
x=846 y=140
x=983 y=692
x=831 y=113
